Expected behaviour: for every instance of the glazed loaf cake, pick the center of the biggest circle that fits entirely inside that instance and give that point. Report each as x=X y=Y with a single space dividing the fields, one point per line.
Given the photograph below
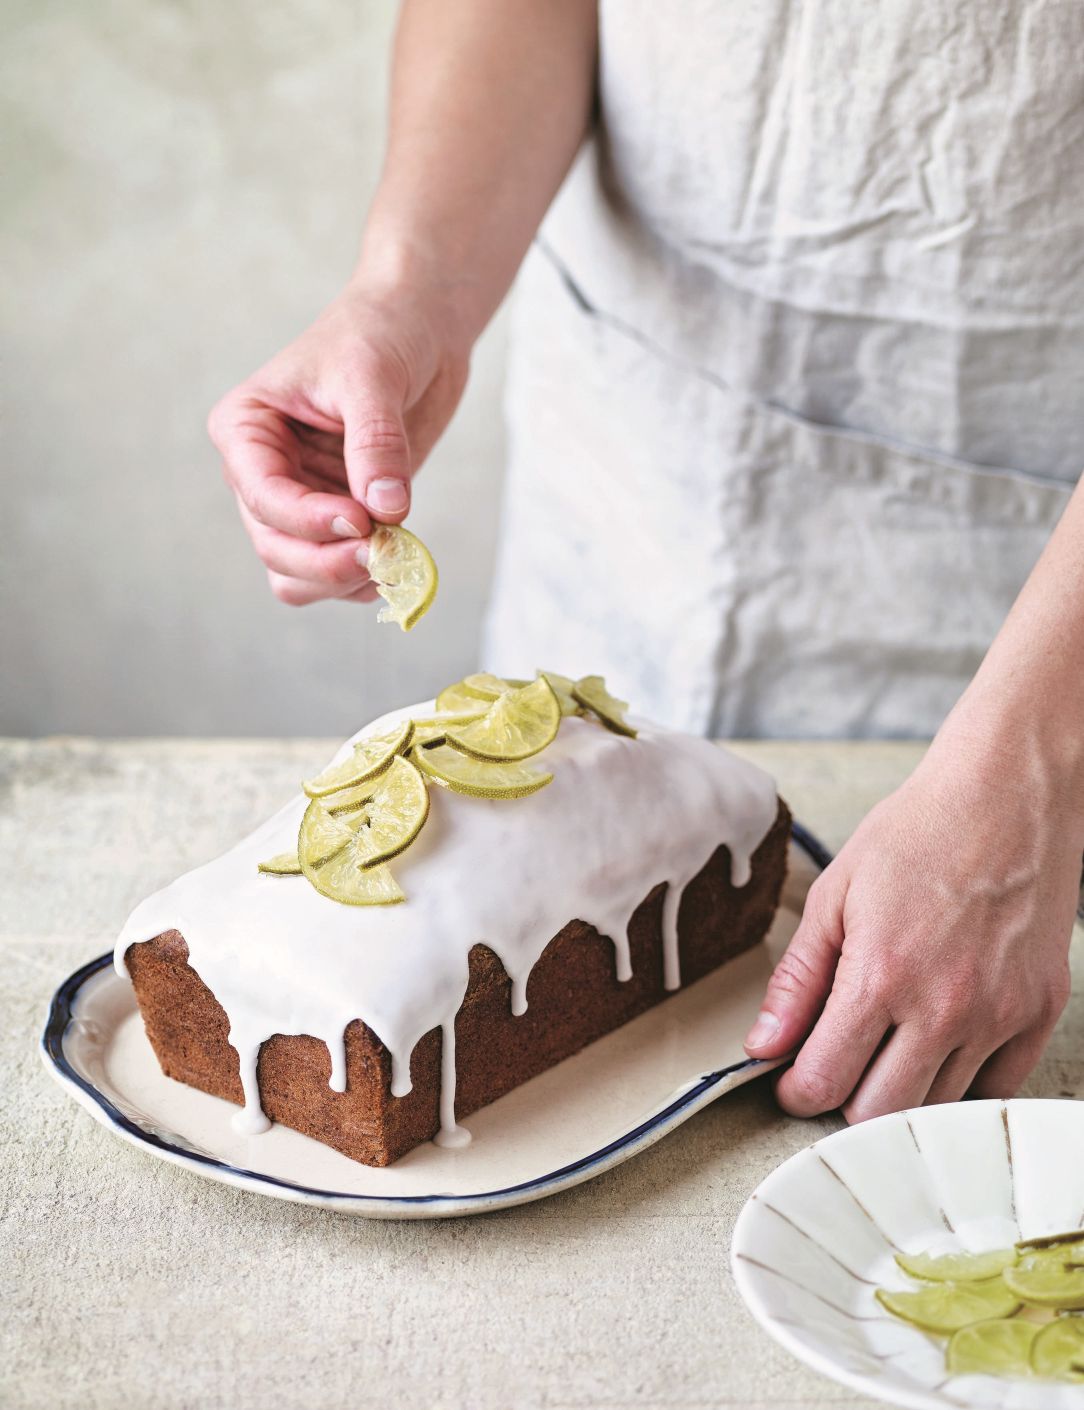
x=375 y=1029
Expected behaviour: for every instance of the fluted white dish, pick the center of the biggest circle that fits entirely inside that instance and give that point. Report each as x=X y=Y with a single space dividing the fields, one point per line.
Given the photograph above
x=819 y=1235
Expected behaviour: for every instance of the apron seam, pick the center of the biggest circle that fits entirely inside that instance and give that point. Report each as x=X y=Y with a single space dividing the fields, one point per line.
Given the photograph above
x=860 y=440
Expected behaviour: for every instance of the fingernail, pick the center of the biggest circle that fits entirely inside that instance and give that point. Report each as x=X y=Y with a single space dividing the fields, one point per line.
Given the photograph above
x=763 y=1031
x=361 y=553
x=387 y=496
x=344 y=528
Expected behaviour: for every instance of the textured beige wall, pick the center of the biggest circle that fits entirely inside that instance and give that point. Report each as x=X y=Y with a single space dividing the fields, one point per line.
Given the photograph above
x=188 y=186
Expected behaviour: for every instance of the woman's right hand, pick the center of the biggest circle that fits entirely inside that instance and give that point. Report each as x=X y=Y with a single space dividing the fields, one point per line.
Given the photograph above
x=322 y=441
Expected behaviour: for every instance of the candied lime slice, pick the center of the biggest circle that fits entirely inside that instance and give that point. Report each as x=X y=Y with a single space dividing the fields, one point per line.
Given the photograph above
x=1044 y=1281
x=341 y=879
x=285 y=864
x=371 y=756
x=455 y=700
x=1069 y=1245
x=484 y=685
x=562 y=688
x=1057 y=1353
x=995 y=1348
x=332 y=860
x=956 y=1267
x=478 y=779
x=591 y=693
x=404 y=574
x=434 y=731
x=517 y=724
x=372 y=823
x=945 y=1307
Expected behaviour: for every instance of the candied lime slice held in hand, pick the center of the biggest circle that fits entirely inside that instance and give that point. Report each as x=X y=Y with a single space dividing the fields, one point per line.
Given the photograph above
x=591 y=693
x=403 y=573
x=1058 y=1350
x=999 y=1347
x=476 y=778
x=946 y=1307
x=285 y=864
x=1043 y=1281
x=956 y=1267
x=515 y=726
x=370 y=757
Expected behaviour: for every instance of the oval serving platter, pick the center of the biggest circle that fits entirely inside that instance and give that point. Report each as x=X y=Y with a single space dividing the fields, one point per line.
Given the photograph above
x=582 y=1117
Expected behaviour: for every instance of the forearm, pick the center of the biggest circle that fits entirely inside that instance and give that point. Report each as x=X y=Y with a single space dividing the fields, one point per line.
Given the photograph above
x=1027 y=699
x=490 y=102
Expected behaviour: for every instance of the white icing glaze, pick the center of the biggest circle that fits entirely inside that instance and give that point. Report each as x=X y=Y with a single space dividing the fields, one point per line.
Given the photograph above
x=620 y=816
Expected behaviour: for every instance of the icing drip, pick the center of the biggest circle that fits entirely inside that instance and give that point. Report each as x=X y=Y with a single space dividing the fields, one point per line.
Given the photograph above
x=620 y=816
x=671 y=958
x=449 y=1134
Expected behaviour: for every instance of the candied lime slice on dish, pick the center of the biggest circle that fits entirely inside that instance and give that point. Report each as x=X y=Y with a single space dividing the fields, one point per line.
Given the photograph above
x=1044 y=1281
x=403 y=573
x=515 y=726
x=996 y=1348
x=369 y=758
x=956 y=1267
x=562 y=688
x=1057 y=1353
x=476 y=778
x=946 y=1307
x=1068 y=1247
x=285 y=864
x=591 y=693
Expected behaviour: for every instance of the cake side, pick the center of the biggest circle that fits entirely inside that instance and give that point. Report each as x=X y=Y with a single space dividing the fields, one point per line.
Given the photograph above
x=573 y=998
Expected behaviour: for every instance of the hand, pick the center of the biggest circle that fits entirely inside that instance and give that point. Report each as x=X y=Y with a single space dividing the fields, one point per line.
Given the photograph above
x=324 y=439
x=932 y=957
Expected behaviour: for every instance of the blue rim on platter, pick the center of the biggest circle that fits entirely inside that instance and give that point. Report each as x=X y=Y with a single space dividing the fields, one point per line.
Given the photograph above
x=698 y=1094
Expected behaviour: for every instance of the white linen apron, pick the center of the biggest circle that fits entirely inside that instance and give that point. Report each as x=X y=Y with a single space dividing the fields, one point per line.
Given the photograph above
x=797 y=381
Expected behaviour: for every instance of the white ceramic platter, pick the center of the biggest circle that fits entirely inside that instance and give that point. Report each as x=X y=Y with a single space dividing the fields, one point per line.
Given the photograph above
x=819 y=1236
x=584 y=1116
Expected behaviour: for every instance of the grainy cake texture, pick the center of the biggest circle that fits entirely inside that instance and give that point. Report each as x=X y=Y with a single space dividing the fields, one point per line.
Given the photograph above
x=573 y=997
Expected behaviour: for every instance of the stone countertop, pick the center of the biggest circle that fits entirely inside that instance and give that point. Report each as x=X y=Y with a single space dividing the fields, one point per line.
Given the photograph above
x=139 y=1284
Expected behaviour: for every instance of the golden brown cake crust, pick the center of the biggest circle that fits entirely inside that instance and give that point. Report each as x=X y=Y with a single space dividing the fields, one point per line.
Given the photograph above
x=573 y=998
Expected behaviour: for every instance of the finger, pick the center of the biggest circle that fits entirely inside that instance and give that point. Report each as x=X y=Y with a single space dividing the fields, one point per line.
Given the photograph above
x=834 y=1057
x=802 y=980
x=899 y=1077
x=338 y=566
x=262 y=463
x=1003 y=1074
x=366 y=594
x=296 y=592
x=956 y=1075
x=376 y=449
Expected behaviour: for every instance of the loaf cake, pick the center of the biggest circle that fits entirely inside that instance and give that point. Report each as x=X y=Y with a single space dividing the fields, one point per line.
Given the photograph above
x=529 y=929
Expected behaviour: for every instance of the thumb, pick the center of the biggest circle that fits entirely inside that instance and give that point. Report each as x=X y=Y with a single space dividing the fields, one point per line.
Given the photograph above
x=802 y=980
x=377 y=453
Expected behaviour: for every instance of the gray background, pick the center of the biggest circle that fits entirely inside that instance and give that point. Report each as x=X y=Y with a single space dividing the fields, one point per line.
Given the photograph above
x=188 y=186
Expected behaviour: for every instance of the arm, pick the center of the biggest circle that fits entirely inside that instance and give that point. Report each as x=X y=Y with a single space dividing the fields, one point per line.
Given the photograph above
x=490 y=102
x=932 y=958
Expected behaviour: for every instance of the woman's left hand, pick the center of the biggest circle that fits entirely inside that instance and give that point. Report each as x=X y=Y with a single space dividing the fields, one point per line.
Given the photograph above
x=932 y=957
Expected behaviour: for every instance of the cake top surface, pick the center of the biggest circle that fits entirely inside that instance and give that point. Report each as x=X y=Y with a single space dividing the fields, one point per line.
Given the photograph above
x=621 y=815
